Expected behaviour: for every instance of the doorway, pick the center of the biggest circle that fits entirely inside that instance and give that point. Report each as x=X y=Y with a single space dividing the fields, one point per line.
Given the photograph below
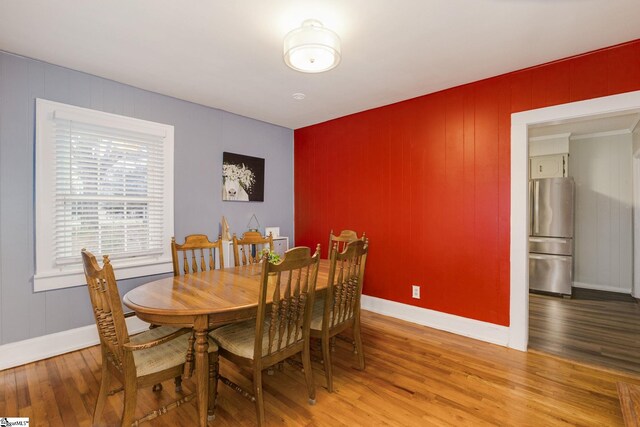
x=600 y=323
x=520 y=125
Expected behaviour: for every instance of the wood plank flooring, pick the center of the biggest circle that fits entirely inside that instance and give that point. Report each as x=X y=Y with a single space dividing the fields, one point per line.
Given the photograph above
x=630 y=403
x=603 y=332
x=415 y=376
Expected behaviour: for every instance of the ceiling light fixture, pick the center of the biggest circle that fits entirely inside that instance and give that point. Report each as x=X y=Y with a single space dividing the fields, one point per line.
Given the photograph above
x=312 y=48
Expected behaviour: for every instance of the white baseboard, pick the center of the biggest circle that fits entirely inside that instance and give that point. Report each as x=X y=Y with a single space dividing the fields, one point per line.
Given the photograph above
x=601 y=287
x=33 y=349
x=471 y=328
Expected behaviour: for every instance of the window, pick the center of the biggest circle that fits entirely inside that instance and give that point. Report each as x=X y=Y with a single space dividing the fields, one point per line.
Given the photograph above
x=105 y=183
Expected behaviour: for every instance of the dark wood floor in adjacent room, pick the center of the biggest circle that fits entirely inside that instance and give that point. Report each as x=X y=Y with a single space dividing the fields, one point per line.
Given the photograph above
x=415 y=376
x=600 y=328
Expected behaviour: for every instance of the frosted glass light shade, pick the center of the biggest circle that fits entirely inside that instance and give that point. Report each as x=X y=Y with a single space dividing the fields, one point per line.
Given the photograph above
x=312 y=48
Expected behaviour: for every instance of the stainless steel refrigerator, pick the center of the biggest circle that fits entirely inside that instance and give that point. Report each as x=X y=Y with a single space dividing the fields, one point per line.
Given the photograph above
x=551 y=235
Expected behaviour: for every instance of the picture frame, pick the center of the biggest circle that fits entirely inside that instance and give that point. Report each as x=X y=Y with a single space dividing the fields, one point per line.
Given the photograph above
x=242 y=178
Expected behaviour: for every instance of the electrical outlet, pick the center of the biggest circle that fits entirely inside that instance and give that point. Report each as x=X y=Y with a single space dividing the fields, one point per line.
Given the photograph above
x=415 y=291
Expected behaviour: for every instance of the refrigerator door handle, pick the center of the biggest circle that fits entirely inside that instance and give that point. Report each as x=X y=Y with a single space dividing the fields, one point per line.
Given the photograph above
x=530 y=208
x=536 y=207
x=556 y=257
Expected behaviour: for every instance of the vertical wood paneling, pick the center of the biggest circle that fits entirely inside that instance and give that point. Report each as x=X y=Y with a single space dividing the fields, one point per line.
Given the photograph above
x=602 y=169
x=469 y=243
x=443 y=211
x=453 y=189
x=201 y=135
x=623 y=68
x=504 y=202
x=626 y=215
x=486 y=162
x=550 y=85
x=589 y=76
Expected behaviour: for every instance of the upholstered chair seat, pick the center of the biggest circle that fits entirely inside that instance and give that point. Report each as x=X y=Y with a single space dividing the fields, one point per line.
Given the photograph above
x=317 y=314
x=164 y=356
x=239 y=338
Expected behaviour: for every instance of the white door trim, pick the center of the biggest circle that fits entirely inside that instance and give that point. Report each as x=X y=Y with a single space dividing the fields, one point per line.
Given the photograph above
x=635 y=292
x=519 y=276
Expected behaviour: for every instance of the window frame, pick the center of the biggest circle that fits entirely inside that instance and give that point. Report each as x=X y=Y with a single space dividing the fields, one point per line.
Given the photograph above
x=49 y=276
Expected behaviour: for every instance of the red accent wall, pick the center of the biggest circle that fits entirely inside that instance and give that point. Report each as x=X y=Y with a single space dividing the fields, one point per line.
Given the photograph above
x=428 y=180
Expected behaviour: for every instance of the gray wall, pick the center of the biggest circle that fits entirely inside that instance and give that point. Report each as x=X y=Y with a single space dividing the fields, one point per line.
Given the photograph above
x=602 y=169
x=201 y=135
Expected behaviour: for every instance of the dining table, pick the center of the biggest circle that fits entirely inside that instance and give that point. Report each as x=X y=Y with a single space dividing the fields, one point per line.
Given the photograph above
x=204 y=301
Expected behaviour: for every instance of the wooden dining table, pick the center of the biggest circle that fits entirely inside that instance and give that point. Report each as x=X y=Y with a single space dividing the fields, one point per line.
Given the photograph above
x=203 y=301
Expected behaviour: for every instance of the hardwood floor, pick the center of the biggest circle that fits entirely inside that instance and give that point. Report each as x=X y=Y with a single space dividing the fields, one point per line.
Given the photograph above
x=603 y=332
x=630 y=404
x=415 y=376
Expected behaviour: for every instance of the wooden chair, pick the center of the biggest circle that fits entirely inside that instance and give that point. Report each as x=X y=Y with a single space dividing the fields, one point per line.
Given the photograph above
x=281 y=328
x=198 y=254
x=247 y=250
x=341 y=240
x=339 y=309
x=138 y=361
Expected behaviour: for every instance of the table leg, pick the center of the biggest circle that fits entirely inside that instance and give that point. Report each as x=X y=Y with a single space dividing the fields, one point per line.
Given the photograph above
x=202 y=367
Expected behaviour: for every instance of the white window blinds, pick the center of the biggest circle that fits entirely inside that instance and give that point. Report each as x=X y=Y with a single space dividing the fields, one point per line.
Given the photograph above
x=104 y=182
x=109 y=191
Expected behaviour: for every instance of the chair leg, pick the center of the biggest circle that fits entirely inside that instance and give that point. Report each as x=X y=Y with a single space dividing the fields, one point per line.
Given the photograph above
x=178 y=382
x=105 y=382
x=130 y=397
x=357 y=336
x=326 y=361
x=213 y=385
x=257 y=392
x=308 y=372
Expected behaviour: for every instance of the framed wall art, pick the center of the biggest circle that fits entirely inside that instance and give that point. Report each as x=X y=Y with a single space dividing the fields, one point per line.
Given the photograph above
x=242 y=178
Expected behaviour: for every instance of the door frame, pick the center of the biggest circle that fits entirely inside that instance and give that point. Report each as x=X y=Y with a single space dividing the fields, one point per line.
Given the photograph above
x=635 y=141
x=520 y=122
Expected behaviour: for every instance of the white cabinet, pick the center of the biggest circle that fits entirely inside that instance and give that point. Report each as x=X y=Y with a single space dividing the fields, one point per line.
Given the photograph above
x=553 y=166
x=227 y=253
x=280 y=245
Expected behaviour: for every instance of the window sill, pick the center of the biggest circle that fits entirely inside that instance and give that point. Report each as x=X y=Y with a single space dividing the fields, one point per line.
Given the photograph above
x=123 y=270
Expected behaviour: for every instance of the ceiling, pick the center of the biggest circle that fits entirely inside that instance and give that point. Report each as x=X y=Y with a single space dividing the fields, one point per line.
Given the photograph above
x=227 y=54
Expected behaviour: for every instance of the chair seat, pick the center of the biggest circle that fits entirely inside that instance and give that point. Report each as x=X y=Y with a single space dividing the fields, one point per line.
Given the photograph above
x=164 y=356
x=239 y=338
x=318 y=314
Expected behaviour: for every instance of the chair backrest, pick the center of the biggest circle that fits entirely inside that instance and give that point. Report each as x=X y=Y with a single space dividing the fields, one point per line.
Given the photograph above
x=292 y=284
x=107 y=307
x=340 y=241
x=344 y=286
x=248 y=249
x=197 y=253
